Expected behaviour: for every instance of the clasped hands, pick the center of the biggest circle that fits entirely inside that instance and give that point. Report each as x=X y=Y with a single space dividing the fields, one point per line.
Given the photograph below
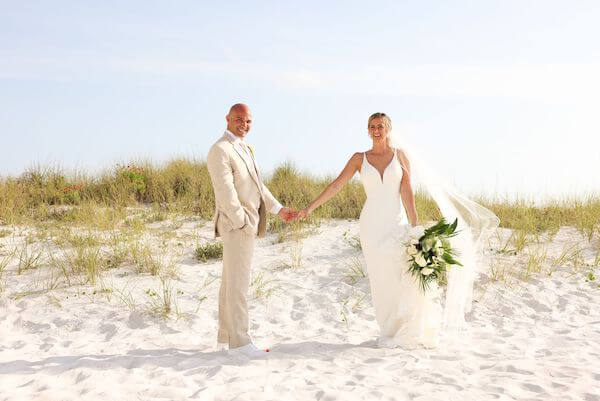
x=289 y=215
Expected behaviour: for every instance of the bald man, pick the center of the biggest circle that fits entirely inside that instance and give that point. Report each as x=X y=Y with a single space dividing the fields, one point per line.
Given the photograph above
x=242 y=202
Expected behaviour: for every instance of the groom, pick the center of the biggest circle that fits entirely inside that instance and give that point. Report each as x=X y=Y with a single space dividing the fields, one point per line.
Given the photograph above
x=242 y=202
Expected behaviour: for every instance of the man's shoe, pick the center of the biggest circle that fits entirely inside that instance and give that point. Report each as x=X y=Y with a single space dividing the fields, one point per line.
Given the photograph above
x=249 y=351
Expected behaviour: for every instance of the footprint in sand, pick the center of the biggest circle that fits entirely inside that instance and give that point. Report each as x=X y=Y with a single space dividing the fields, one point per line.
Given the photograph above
x=533 y=387
x=59 y=322
x=562 y=304
x=109 y=329
x=374 y=360
x=558 y=386
x=136 y=321
x=542 y=352
x=537 y=306
x=48 y=343
x=581 y=294
x=81 y=377
x=512 y=369
x=33 y=327
x=296 y=315
x=297 y=307
x=22 y=306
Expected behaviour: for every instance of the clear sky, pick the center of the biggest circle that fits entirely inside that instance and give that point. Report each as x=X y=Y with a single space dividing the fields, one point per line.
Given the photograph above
x=504 y=95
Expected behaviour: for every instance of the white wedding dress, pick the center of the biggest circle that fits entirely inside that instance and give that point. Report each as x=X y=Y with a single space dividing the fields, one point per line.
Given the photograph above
x=407 y=316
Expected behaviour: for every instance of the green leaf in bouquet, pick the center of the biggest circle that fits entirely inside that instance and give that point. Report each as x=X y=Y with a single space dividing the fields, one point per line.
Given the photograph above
x=448 y=258
x=450 y=230
x=437 y=228
x=438 y=261
x=454 y=225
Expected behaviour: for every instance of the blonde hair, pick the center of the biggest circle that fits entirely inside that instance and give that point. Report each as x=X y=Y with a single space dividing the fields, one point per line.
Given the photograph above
x=387 y=122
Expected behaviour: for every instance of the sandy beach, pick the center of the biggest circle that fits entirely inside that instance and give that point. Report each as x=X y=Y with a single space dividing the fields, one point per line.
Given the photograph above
x=529 y=338
x=128 y=127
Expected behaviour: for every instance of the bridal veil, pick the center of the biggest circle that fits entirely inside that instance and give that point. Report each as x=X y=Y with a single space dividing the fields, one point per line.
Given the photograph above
x=475 y=223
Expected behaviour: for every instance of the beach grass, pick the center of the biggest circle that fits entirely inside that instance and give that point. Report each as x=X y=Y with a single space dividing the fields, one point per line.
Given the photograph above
x=82 y=225
x=163 y=302
x=209 y=251
x=262 y=286
x=182 y=187
x=5 y=259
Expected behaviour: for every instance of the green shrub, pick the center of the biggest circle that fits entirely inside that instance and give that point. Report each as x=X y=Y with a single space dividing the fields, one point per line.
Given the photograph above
x=209 y=251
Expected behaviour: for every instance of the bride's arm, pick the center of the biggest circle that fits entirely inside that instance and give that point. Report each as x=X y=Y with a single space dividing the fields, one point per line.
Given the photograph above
x=353 y=165
x=406 y=191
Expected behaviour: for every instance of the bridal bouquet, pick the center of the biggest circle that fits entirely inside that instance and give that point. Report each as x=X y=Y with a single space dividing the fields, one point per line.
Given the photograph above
x=430 y=253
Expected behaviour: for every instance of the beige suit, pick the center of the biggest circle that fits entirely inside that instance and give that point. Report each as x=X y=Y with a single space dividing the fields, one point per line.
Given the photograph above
x=242 y=201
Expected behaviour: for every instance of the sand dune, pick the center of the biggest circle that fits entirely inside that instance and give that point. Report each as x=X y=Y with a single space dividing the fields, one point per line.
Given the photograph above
x=534 y=339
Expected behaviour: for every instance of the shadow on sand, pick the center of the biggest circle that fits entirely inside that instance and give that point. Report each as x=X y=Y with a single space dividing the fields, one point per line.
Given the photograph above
x=190 y=361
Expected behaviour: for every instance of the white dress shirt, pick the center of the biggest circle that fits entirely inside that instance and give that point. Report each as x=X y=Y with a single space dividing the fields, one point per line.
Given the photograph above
x=236 y=139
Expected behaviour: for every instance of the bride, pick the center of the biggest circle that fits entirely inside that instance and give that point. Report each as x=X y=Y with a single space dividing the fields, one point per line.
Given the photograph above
x=407 y=316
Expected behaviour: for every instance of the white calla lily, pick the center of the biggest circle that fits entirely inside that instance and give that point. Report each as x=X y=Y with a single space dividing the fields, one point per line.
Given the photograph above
x=420 y=260
x=412 y=251
x=426 y=271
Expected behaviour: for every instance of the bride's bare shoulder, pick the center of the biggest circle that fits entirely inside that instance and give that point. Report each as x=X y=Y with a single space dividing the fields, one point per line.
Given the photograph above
x=356 y=157
x=356 y=160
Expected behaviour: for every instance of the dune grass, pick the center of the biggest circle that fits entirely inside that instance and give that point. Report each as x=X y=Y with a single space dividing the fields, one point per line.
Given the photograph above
x=163 y=302
x=262 y=286
x=30 y=258
x=209 y=251
x=75 y=227
x=182 y=186
x=526 y=217
x=179 y=185
x=5 y=259
x=124 y=200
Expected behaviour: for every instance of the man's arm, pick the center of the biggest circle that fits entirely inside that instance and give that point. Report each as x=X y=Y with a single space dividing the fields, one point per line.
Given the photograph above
x=272 y=204
x=221 y=176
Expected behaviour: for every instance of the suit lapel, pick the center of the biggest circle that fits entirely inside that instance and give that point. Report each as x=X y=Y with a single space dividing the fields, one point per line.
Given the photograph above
x=249 y=164
x=254 y=164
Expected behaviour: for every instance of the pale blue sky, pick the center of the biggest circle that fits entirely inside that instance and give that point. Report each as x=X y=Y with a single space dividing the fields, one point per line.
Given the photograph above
x=504 y=94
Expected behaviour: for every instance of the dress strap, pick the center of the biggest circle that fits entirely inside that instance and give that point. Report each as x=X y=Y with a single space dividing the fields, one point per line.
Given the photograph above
x=399 y=160
x=362 y=165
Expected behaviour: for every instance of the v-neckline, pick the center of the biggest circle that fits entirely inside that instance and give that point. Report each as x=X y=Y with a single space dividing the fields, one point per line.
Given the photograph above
x=381 y=174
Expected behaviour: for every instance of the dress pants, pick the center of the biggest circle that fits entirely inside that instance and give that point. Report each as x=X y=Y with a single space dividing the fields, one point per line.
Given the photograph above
x=238 y=249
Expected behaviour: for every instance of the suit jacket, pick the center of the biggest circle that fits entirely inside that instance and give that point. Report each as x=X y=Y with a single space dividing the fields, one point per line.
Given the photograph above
x=241 y=198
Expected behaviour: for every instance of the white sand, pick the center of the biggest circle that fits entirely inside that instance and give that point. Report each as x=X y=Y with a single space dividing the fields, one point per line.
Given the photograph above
x=528 y=340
